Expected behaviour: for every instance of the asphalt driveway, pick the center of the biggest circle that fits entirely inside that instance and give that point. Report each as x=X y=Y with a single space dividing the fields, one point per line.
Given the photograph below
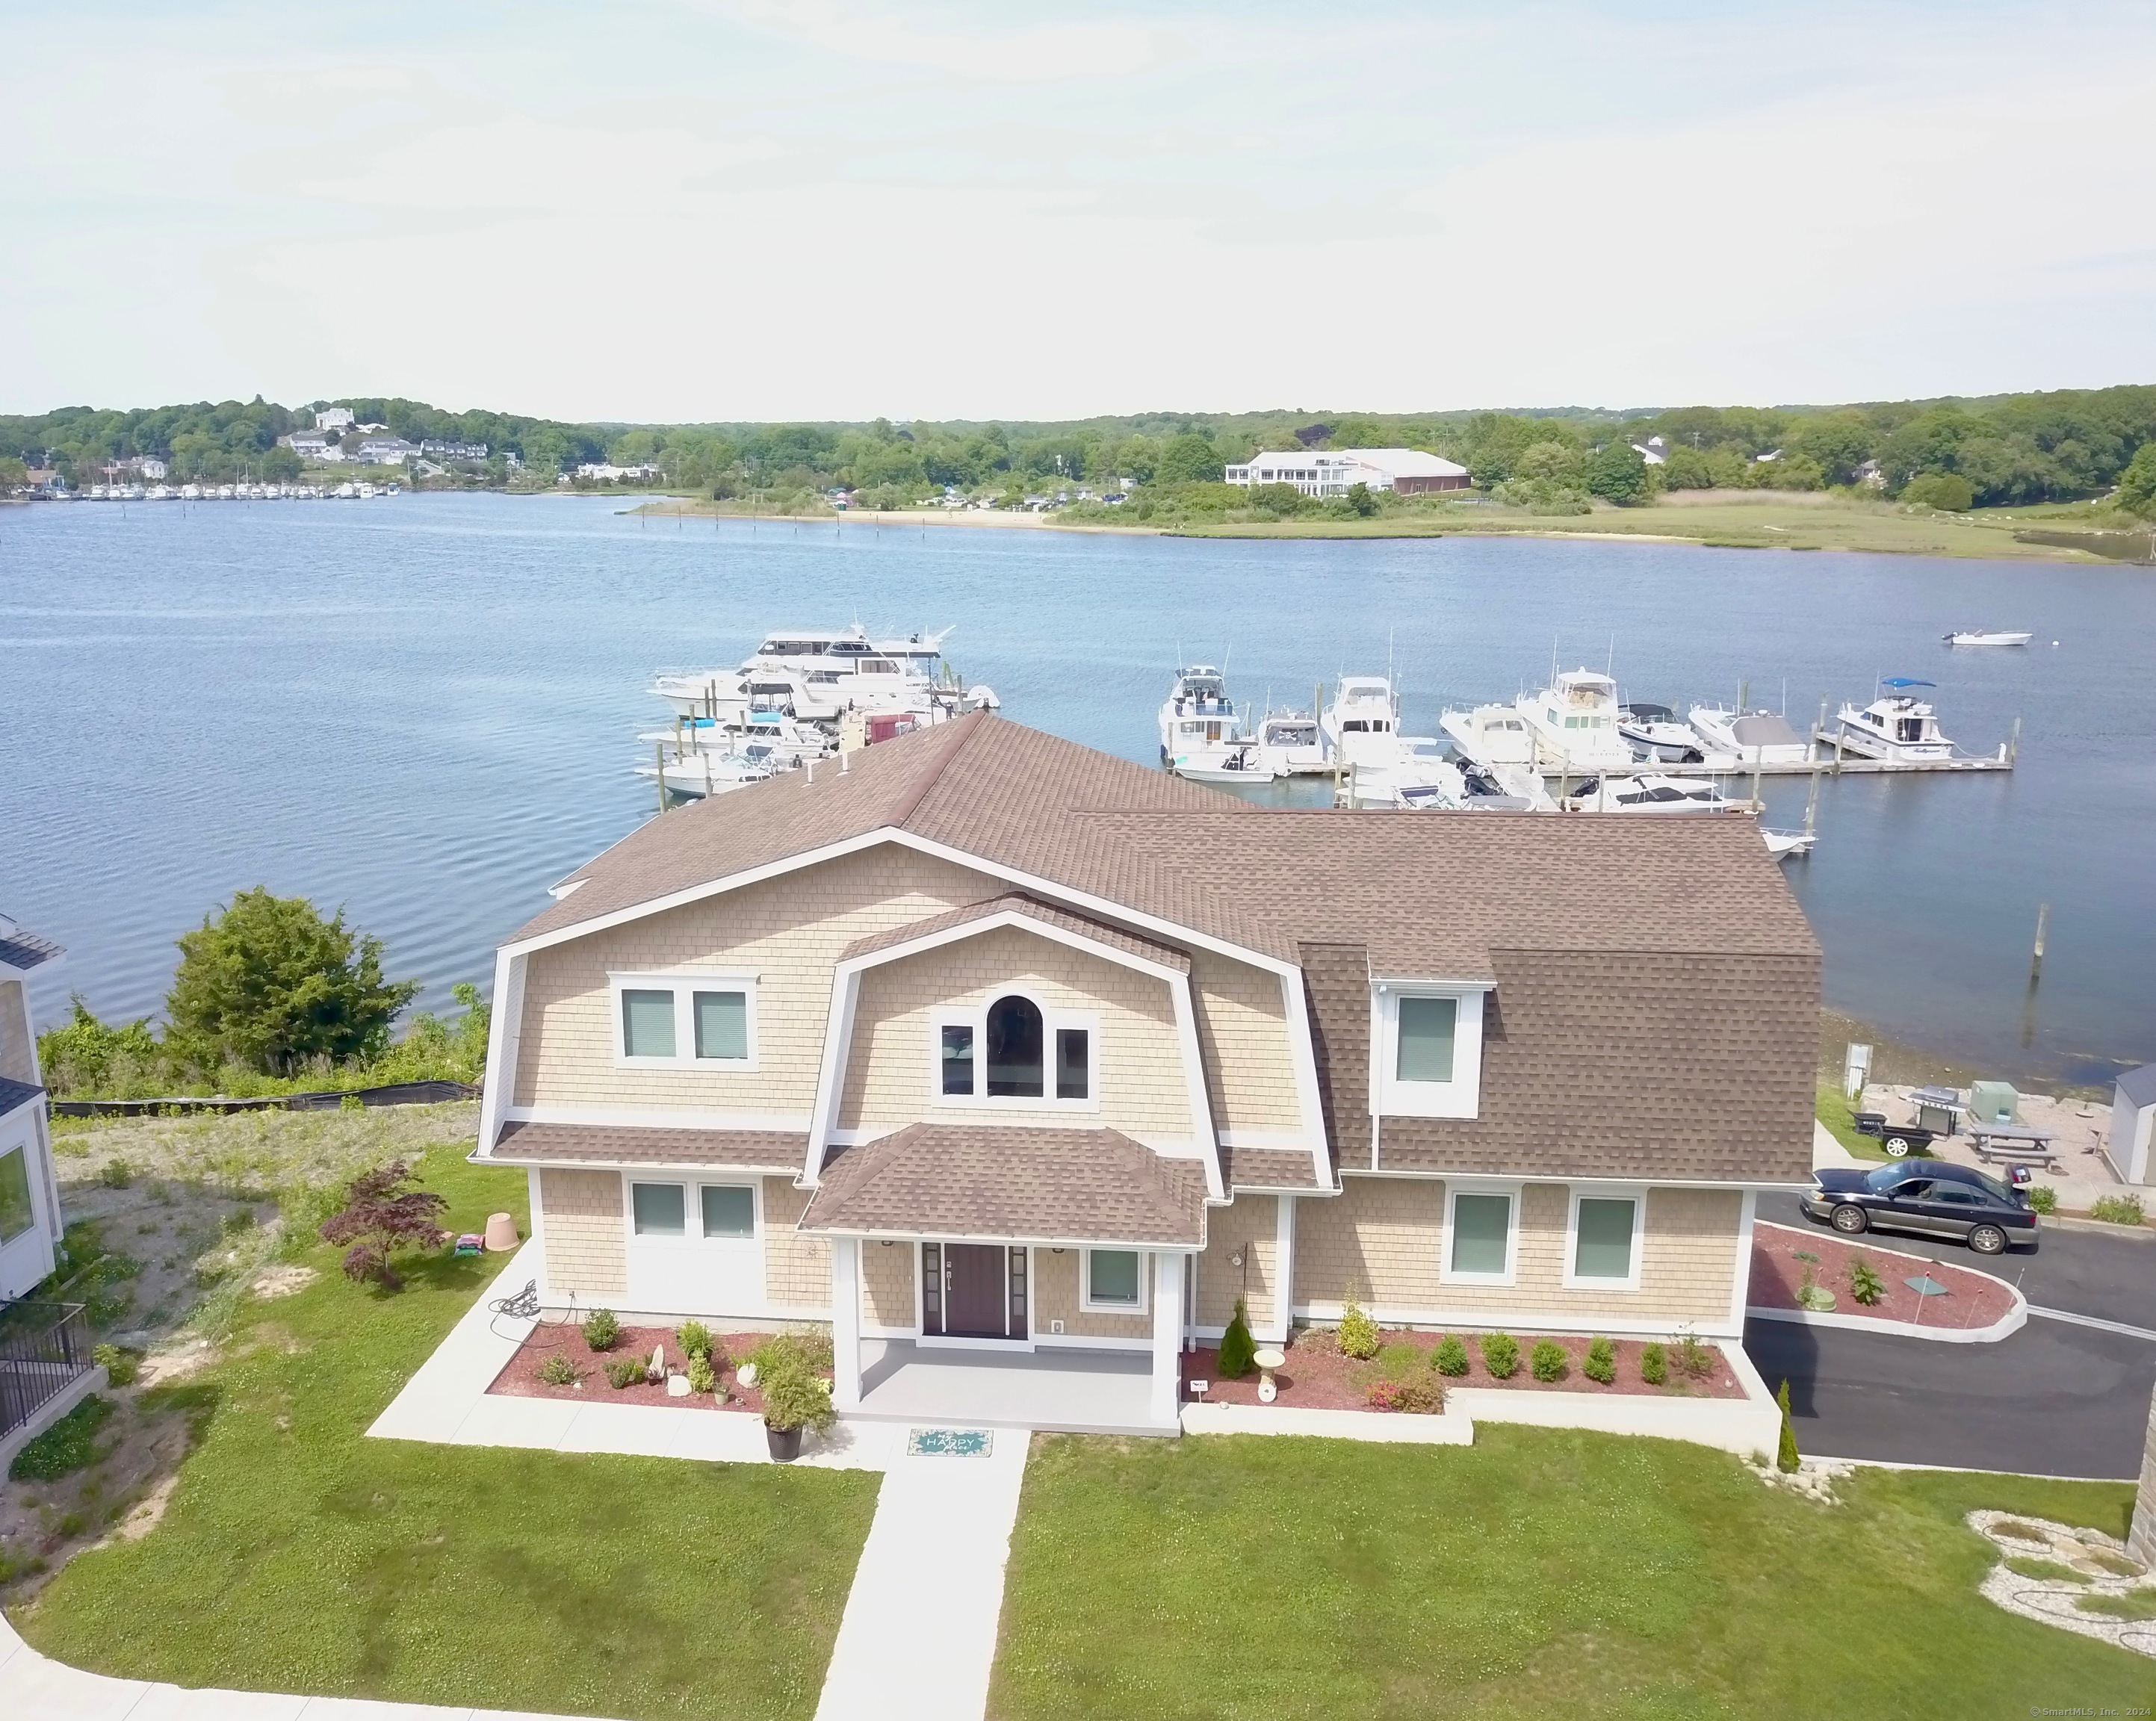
x=2055 y=1399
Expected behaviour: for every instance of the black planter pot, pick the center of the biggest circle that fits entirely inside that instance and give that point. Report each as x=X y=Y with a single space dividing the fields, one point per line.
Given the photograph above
x=785 y=1443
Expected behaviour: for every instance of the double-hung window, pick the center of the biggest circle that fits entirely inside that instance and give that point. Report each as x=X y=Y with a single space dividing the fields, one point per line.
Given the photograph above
x=1481 y=1234
x=1602 y=1243
x=1426 y=1045
x=685 y=1021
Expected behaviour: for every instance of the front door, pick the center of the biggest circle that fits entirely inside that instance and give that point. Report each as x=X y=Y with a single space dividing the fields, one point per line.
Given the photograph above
x=976 y=1297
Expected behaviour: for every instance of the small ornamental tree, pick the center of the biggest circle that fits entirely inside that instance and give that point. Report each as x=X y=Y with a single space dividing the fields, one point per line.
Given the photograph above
x=380 y=1216
x=1358 y=1333
x=1238 y=1352
x=1786 y=1459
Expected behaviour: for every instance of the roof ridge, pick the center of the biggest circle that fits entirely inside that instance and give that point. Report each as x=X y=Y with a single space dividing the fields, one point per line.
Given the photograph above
x=903 y=815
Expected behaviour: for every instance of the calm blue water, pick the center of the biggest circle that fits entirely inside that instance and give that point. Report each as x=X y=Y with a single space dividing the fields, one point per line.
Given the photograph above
x=425 y=709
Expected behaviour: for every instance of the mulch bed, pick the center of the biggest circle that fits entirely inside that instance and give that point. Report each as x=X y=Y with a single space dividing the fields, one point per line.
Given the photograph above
x=520 y=1375
x=1973 y=1299
x=1317 y=1377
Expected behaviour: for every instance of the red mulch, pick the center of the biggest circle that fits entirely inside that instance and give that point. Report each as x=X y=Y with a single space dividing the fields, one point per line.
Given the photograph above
x=519 y=1376
x=1318 y=1378
x=1973 y=1299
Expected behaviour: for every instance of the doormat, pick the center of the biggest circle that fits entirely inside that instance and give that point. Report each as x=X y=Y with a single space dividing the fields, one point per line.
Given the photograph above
x=949 y=1443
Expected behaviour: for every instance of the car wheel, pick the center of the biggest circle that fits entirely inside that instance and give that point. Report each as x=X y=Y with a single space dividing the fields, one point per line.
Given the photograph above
x=1849 y=1220
x=1897 y=1147
x=1988 y=1240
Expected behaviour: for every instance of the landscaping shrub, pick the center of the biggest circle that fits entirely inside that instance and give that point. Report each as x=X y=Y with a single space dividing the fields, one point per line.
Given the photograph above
x=380 y=1215
x=602 y=1329
x=2042 y=1198
x=695 y=1339
x=1237 y=1352
x=622 y=1372
x=1358 y=1333
x=1501 y=1355
x=1450 y=1356
x=1601 y=1363
x=795 y=1397
x=702 y=1377
x=115 y=1175
x=558 y=1371
x=1691 y=1360
x=2118 y=1210
x=1654 y=1364
x=808 y=1352
x=68 y=1446
x=120 y=1365
x=1548 y=1361
x=1786 y=1457
x=1865 y=1283
x=1419 y=1396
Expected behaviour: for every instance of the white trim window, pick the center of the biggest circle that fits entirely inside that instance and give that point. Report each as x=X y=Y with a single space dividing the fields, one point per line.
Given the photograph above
x=1016 y=1051
x=1112 y=1282
x=1482 y=1241
x=705 y=1022
x=1601 y=1245
x=1428 y=1042
x=669 y=1212
x=18 y=1210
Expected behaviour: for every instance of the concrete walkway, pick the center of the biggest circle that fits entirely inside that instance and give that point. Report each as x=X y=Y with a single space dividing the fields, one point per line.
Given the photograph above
x=918 y=1639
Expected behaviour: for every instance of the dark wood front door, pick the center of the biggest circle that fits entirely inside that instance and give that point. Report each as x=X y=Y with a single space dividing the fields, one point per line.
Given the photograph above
x=976 y=1297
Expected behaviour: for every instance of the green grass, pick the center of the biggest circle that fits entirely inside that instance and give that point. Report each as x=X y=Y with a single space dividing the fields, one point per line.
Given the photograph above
x=297 y=1555
x=1538 y=1573
x=69 y=1445
x=2048 y=1571
x=2139 y=1605
x=1832 y=1109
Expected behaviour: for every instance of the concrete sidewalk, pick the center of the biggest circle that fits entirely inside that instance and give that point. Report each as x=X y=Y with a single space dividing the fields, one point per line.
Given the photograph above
x=918 y=1639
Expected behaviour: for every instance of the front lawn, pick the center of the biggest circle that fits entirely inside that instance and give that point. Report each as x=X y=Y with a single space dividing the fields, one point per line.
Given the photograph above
x=1538 y=1573
x=297 y=1555
x=1831 y=1107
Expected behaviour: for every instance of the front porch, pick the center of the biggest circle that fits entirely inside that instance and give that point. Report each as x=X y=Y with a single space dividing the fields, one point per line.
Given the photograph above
x=1059 y=1392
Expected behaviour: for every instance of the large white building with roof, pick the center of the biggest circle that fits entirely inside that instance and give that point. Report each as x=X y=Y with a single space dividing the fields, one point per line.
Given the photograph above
x=1333 y=473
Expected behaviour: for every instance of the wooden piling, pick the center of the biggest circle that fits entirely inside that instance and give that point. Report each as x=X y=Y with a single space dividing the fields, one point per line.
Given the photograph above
x=658 y=759
x=2043 y=927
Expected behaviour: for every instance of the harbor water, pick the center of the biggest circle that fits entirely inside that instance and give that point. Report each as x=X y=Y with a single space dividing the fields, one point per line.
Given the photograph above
x=423 y=709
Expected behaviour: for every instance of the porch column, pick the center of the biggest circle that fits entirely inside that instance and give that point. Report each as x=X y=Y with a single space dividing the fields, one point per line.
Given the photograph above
x=1167 y=1337
x=845 y=1325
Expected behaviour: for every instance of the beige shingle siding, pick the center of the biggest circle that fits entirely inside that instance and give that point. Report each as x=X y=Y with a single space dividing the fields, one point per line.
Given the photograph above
x=15 y=1060
x=1378 y=1243
x=586 y=1251
x=787 y=931
x=797 y=1269
x=891 y=1076
x=1242 y=1032
x=887 y=1284
x=1055 y=1297
x=1249 y=1227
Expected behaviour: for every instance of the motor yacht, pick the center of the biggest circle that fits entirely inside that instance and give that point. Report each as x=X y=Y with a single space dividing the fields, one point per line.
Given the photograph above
x=1898 y=725
x=1416 y=774
x=1196 y=713
x=1292 y=744
x=1749 y=737
x=1978 y=636
x=1490 y=735
x=1573 y=725
x=827 y=672
x=1660 y=734
x=1361 y=723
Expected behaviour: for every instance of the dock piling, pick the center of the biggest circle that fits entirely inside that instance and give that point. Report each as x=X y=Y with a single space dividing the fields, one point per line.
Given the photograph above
x=2043 y=927
x=658 y=759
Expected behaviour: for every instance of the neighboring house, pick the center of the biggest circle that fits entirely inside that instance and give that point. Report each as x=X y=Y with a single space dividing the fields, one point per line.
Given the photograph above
x=606 y=473
x=30 y=1195
x=985 y=1040
x=313 y=444
x=1654 y=451
x=336 y=420
x=1408 y=471
x=385 y=450
x=2132 y=1122
x=150 y=467
x=435 y=450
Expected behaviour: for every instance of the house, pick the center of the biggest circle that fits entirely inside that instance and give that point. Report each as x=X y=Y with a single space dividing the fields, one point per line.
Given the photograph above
x=29 y=1195
x=437 y=450
x=605 y=473
x=385 y=450
x=1408 y=471
x=991 y=1051
x=336 y=420
x=2132 y=1123
x=313 y=444
x=1654 y=451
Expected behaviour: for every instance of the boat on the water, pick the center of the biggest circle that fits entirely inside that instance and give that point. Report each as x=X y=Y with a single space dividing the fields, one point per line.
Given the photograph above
x=1896 y=727
x=1490 y=735
x=1362 y=721
x=1660 y=734
x=1979 y=637
x=822 y=674
x=1749 y=737
x=1651 y=792
x=1231 y=762
x=1782 y=844
x=1196 y=715
x=1415 y=773
x=1292 y=744
x=1573 y=724
x=699 y=774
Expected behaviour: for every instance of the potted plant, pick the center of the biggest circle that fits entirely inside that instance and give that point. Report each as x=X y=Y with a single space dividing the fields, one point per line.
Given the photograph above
x=794 y=1398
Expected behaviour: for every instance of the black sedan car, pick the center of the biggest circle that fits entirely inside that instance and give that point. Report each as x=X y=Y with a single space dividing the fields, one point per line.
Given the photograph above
x=1927 y=1197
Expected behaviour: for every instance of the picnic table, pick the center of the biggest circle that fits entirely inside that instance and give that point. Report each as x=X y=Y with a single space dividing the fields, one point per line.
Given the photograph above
x=2012 y=1141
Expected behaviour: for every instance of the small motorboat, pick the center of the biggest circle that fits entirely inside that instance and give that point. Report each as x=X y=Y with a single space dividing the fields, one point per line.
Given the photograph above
x=1979 y=637
x=1652 y=793
x=1782 y=844
x=1897 y=726
x=1229 y=762
x=1749 y=737
x=1292 y=745
x=1660 y=733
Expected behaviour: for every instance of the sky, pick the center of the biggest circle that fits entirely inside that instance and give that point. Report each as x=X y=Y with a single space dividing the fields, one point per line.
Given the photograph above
x=662 y=211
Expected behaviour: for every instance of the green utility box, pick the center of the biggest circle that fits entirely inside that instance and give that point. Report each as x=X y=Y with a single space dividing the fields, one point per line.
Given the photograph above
x=1992 y=1102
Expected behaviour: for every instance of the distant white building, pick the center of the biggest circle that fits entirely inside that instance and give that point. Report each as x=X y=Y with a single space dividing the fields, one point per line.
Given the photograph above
x=312 y=444
x=616 y=474
x=150 y=468
x=386 y=450
x=434 y=450
x=1409 y=472
x=1654 y=451
x=334 y=419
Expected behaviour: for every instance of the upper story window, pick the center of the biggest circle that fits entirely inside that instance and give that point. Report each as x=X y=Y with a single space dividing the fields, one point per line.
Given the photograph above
x=1426 y=1051
x=1014 y=1052
x=685 y=1021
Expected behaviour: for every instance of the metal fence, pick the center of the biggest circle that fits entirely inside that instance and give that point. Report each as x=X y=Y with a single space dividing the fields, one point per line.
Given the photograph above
x=44 y=1348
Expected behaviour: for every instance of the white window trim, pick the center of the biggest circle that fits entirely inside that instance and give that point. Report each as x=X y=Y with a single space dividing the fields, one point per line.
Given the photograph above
x=1453 y=1190
x=976 y=1017
x=1088 y=1306
x=1634 y=1193
x=684 y=984
x=1459 y=1098
x=692 y=1212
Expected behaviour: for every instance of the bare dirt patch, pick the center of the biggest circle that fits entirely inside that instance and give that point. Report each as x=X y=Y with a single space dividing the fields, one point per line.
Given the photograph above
x=282 y=1281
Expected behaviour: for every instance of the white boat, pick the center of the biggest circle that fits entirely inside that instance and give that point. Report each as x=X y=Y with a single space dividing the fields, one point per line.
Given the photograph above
x=1749 y=737
x=700 y=774
x=1977 y=637
x=1651 y=792
x=1507 y=788
x=1196 y=715
x=1490 y=735
x=1292 y=744
x=788 y=740
x=1782 y=844
x=1231 y=762
x=1898 y=725
x=824 y=672
x=1362 y=721
x=1658 y=733
x=1573 y=724
x=1416 y=774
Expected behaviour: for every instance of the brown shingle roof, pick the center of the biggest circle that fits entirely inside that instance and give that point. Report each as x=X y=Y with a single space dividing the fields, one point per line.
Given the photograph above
x=1131 y=944
x=1011 y=1185
x=1268 y=1168
x=526 y=1144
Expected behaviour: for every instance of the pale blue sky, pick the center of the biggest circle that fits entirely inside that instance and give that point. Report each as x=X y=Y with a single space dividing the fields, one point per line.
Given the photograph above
x=678 y=209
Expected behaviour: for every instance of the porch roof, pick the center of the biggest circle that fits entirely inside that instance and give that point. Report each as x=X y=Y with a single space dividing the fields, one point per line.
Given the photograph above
x=1009 y=1184
x=527 y=1143
x=14 y=1093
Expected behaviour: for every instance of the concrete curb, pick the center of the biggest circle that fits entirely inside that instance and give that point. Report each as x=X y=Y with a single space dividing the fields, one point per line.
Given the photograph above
x=1383 y=1428
x=2005 y=1326
x=2099 y=1227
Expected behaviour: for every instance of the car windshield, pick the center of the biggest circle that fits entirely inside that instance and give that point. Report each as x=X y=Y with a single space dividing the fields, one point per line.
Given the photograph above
x=1882 y=1178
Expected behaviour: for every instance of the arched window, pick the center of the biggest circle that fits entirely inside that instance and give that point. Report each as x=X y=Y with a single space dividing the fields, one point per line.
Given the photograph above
x=1014 y=1048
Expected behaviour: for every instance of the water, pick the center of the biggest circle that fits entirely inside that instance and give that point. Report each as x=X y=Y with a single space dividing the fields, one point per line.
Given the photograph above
x=424 y=709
